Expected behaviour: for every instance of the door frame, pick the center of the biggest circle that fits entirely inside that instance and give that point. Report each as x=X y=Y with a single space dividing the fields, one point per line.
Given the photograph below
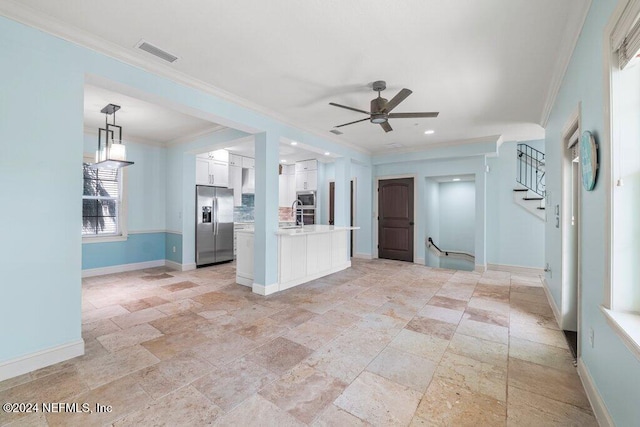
x=354 y=210
x=374 y=250
x=574 y=121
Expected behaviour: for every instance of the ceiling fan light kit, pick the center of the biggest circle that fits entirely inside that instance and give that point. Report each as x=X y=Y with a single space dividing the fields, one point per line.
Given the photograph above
x=380 y=108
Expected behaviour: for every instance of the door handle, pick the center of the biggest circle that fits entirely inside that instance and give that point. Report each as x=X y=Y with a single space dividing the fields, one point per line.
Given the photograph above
x=411 y=223
x=217 y=224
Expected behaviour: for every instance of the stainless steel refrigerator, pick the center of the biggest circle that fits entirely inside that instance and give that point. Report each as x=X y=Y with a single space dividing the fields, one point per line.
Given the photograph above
x=214 y=224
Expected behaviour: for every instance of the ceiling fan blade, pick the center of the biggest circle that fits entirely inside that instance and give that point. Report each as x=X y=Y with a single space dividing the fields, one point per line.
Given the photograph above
x=350 y=123
x=400 y=96
x=349 y=108
x=386 y=126
x=412 y=115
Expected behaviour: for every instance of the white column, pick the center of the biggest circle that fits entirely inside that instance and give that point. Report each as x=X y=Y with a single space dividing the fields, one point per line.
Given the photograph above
x=342 y=206
x=266 y=213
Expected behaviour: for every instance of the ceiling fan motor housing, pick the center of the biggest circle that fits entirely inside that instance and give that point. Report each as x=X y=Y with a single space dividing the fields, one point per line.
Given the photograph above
x=377 y=110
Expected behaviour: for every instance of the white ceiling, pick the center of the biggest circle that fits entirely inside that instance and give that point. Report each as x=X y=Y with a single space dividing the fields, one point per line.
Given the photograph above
x=140 y=120
x=289 y=154
x=490 y=67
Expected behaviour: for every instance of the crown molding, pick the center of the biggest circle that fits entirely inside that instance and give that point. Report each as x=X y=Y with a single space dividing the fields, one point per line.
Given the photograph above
x=194 y=135
x=567 y=47
x=33 y=18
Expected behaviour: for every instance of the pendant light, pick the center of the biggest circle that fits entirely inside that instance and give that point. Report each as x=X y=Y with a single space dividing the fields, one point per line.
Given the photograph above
x=111 y=152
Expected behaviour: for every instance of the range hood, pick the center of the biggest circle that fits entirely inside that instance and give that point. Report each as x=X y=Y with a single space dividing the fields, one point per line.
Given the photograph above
x=248 y=181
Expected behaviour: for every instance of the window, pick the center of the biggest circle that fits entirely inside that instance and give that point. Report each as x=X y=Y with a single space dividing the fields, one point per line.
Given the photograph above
x=622 y=299
x=101 y=203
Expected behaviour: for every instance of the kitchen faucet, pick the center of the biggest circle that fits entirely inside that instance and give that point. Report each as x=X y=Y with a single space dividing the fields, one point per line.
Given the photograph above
x=294 y=207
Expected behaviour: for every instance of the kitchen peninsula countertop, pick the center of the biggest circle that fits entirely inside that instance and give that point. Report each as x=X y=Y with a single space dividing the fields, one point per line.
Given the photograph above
x=304 y=230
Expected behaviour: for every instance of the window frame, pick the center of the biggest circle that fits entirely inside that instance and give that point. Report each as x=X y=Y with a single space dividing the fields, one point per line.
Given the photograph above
x=624 y=323
x=123 y=234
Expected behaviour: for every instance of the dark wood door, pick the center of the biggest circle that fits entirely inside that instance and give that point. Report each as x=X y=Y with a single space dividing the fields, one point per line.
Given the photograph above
x=395 y=219
x=332 y=198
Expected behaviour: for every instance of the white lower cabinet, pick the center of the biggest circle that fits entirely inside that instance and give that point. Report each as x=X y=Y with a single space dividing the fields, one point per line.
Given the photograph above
x=318 y=251
x=244 y=263
x=302 y=257
x=293 y=249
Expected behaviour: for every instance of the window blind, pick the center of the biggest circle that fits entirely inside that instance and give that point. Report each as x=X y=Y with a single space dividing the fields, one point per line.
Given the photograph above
x=100 y=201
x=625 y=39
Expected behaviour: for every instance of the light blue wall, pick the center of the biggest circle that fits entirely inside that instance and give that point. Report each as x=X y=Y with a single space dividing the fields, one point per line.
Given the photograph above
x=180 y=207
x=615 y=370
x=137 y=248
x=424 y=169
x=42 y=79
x=517 y=236
x=431 y=212
x=40 y=193
x=173 y=240
x=457 y=216
x=145 y=193
x=362 y=174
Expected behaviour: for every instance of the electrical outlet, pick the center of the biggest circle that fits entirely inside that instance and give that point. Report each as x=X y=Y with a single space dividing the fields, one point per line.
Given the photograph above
x=591 y=336
x=174 y=249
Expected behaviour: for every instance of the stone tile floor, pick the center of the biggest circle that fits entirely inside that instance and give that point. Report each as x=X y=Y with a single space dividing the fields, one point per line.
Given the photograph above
x=382 y=343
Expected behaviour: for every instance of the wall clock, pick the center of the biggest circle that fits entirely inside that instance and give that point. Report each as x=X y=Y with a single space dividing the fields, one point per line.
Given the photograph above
x=588 y=160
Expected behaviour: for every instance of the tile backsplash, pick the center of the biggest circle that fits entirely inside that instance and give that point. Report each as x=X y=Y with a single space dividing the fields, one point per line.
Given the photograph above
x=285 y=214
x=245 y=213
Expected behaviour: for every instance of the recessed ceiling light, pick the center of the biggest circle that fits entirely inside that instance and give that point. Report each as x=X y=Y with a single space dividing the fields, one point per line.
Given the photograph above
x=326 y=153
x=283 y=161
x=294 y=143
x=456 y=179
x=429 y=132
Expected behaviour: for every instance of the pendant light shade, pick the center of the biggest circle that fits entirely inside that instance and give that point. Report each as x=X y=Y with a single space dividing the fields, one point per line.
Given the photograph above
x=111 y=152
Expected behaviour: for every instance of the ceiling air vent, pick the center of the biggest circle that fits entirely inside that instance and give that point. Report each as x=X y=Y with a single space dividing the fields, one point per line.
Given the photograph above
x=156 y=51
x=336 y=132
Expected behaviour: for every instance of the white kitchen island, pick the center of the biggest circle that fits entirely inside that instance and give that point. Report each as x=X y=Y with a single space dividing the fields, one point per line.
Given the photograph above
x=304 y=254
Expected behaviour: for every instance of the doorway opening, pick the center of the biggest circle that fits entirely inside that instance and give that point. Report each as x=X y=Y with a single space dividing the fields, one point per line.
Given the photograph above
x=450 y=222
x=396 y=219
x=570 y=233
x=332 y=197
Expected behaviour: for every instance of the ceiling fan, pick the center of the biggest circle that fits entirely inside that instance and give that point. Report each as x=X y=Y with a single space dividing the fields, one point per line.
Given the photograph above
x=381 y=108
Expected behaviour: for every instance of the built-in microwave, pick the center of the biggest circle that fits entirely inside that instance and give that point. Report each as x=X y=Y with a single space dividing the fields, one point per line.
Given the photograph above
x=307 y=199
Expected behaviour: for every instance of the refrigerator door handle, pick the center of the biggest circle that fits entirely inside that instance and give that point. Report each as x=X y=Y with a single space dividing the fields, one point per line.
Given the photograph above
x=217 y=223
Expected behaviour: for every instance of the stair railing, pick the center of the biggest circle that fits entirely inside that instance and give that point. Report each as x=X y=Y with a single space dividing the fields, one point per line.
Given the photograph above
x=452 y=254
x=531 y=169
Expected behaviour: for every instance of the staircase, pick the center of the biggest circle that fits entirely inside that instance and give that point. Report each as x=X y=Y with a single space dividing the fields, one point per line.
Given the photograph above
x=530 y=189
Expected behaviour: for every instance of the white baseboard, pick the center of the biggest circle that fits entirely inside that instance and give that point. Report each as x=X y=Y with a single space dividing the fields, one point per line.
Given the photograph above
x=188 y=267
x=173 y=265
x=597 y=404
x=552 y=302
x=480 y=268
x=40 y=359
x=420 y=261
x=245 y=281
x=516 y=269
x=179 y=267
x=265 y=290
x=362 y=256
x=90 y=272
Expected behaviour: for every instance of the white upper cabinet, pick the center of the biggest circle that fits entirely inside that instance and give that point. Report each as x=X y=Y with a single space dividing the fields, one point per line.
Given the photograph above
x=287 y=186
x=307 y=175
x=307 y=165
x=202 y=172
x=219 y=155
x=212 y=172
x=248 y=163
x=235 y=160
